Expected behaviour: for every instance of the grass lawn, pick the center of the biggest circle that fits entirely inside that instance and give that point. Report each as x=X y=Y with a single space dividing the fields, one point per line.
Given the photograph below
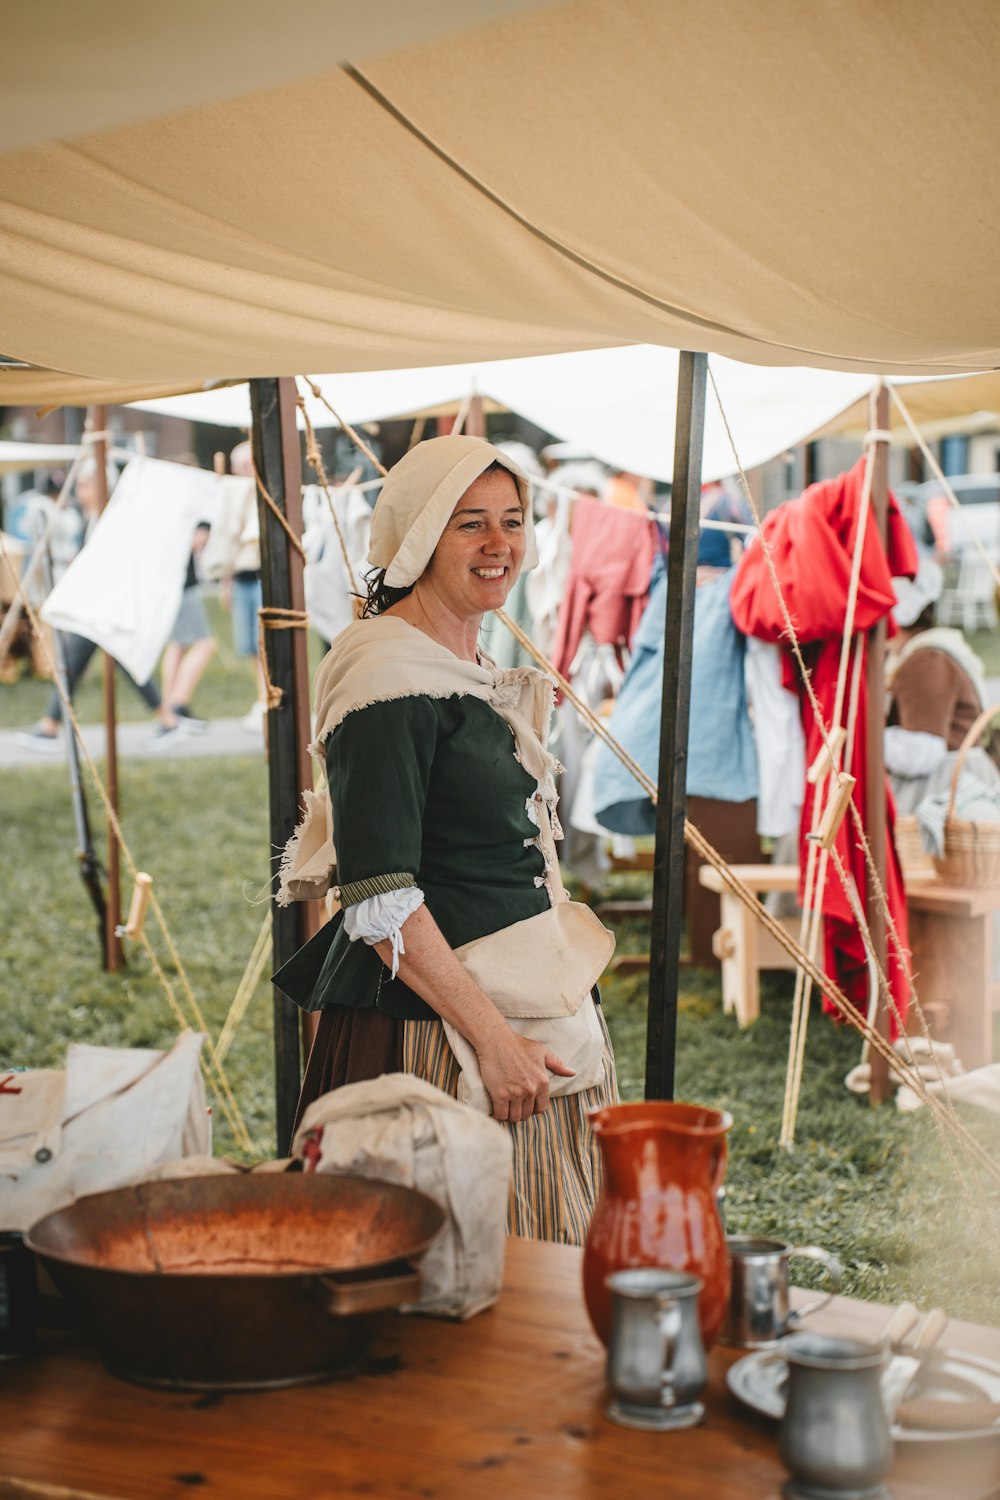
x=876 y=1187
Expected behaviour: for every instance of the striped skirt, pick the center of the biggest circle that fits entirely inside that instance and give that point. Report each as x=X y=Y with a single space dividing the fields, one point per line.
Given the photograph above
x=556 y=1174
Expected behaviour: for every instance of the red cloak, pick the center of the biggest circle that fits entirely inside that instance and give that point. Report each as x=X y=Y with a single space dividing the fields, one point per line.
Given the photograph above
x=812 y=542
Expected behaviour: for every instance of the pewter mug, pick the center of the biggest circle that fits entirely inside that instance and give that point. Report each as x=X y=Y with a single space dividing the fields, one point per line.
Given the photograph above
x=759 y=1313
x=656 y=1359
x=834 y=1437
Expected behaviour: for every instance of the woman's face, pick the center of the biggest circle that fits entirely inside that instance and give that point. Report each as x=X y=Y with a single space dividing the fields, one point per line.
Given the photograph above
x=481 y=550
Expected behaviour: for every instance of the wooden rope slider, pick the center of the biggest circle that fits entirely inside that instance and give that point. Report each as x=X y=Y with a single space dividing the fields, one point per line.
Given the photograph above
x=271 y=618
x=132 y=928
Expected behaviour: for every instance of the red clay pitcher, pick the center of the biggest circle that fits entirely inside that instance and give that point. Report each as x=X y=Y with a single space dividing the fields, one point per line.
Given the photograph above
x=663 y=1165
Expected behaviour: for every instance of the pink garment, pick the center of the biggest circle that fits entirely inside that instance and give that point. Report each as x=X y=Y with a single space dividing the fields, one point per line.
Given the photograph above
x=608 y=582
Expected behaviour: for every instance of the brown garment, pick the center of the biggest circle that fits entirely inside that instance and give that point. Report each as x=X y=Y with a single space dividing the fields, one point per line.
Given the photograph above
x=732 y=828
x=351 y=1045
x=933 y=694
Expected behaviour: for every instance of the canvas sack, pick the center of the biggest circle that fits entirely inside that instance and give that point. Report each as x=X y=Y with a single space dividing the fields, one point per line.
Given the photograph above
x=399 y=1129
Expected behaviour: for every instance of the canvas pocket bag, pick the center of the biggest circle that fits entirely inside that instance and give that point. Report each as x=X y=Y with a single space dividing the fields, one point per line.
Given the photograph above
x=539 y=973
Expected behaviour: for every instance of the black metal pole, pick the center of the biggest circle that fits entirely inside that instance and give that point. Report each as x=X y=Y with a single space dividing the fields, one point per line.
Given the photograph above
x=668 y=860
x=90 y=870
x=276 y=454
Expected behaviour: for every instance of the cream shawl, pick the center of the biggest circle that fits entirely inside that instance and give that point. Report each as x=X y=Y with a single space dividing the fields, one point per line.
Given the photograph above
x=380 y=659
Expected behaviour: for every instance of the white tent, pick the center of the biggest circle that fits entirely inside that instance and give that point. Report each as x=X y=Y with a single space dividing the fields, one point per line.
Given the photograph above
x=781 y=183
x=615 y=403
x=19 y=458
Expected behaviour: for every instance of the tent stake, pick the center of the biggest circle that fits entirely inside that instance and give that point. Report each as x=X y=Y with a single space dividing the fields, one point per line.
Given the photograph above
x=278 y=458
x=668 y=860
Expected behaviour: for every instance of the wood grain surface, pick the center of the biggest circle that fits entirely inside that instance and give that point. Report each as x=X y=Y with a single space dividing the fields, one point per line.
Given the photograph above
x=508 y=1404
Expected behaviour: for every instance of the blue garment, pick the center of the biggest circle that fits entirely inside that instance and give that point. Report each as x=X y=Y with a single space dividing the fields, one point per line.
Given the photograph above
x=722 y=762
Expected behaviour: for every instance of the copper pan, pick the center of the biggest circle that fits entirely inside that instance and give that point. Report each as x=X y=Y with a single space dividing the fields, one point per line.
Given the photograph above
x=241 y=1282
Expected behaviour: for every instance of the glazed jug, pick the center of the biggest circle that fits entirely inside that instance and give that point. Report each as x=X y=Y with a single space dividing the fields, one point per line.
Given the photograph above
x=663 y=1165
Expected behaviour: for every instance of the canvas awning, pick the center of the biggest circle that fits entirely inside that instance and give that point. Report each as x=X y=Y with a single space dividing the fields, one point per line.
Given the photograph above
x=780 y=183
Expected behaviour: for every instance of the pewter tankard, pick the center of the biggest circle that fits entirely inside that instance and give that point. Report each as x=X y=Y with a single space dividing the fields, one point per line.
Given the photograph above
x=656 y=1359
x=759 y=1314
x=834 y=1437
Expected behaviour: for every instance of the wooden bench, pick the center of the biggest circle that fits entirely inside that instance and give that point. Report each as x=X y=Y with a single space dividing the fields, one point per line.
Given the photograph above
x=741 y=944
x=951 y=939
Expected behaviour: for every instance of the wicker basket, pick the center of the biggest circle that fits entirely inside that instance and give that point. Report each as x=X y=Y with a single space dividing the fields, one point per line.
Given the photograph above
x=912 y=855
x=971 y=850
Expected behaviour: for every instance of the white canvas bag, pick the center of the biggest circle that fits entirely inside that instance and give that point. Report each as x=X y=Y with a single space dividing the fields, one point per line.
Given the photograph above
x=108 y=1120
x=539 y=973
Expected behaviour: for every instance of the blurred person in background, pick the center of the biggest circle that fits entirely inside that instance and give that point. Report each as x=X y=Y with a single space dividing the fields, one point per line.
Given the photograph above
x=79 y=650
x=235 y=547
x=936 y=688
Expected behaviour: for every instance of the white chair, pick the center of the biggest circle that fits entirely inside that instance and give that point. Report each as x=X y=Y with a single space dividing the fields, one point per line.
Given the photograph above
x=971 y=600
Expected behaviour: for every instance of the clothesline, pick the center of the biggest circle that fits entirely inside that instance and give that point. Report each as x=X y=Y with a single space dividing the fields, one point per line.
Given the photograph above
x=736 y=528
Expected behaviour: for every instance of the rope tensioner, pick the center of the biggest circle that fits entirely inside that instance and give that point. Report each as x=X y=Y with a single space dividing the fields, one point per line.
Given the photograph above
x=272 y=618
x=132 y=926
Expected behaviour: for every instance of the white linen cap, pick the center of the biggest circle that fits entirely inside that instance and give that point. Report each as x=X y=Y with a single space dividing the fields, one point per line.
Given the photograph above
x=418 y=497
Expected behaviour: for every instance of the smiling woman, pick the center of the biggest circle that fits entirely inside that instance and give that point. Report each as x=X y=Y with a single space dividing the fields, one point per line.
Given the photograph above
x=442 y=801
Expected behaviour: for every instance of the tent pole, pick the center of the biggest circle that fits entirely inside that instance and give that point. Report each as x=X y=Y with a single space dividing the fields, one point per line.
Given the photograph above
x=875 y=785
x=668 y=860
x=114 y=958
x=278 y=458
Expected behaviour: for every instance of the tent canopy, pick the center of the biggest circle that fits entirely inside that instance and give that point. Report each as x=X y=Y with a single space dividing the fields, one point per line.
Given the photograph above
x=780 y=183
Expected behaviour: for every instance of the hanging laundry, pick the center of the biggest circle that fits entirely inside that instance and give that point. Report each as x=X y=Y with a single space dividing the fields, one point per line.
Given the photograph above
x=233 y=544
x=781 y=745
x=123 y=590
x=608 y=580
x=545 y=585
x=811 y=541
x=721 y=758
x=329 y=588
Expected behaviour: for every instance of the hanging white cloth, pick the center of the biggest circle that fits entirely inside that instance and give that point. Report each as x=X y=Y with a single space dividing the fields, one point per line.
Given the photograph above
x=329 y=587
x=124 y=588
x=780 y=742
x=233 y=544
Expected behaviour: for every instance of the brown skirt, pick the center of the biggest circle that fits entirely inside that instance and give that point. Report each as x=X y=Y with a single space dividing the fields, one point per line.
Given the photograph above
x=351 y=1045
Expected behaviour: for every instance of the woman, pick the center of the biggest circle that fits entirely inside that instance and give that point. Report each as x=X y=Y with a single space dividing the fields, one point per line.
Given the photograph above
x=936 y=691
x=442 y=800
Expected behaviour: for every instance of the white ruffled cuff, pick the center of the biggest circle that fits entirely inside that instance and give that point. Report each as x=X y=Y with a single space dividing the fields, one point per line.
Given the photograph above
x=380 y=919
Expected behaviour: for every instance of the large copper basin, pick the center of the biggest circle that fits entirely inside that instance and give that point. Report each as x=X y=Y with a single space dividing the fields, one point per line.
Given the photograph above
x=237 y=1282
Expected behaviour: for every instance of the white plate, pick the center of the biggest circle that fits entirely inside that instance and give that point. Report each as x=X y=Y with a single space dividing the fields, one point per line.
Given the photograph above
x=758 y=1381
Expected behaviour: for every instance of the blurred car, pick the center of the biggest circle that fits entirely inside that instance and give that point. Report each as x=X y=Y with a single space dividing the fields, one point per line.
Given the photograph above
x=936 y=525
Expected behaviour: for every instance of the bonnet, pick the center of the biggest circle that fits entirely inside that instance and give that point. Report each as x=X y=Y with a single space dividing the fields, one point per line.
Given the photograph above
x=418 y=497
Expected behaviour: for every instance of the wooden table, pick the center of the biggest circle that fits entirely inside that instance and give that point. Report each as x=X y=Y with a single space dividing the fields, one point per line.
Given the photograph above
x=508 y=1405
x=951 y=940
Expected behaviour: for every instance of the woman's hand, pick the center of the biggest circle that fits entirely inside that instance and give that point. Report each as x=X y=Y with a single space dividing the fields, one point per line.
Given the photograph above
x=516 y=1074
x=515 y=1070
